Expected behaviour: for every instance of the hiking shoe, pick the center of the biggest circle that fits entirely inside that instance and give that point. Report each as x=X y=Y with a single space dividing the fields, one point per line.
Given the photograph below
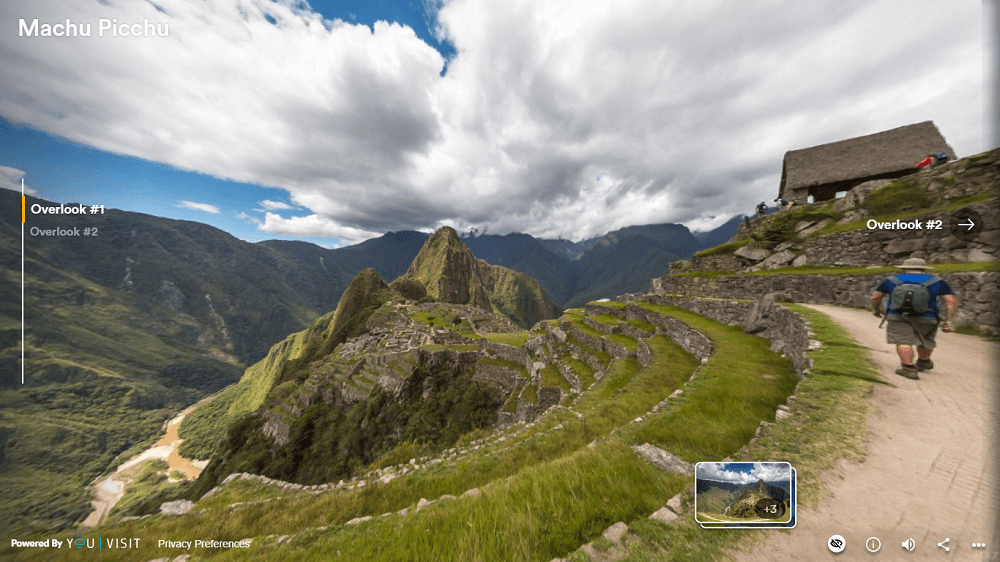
x=924 y=364
x=908 y=371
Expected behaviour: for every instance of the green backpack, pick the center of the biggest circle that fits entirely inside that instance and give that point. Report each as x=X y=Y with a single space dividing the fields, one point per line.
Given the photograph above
x=909 y=298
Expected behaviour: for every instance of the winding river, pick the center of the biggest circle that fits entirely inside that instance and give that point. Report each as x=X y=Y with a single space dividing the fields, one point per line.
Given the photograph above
x=108 y=491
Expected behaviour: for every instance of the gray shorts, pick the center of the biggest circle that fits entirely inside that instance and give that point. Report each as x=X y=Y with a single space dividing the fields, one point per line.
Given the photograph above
x=901 y=332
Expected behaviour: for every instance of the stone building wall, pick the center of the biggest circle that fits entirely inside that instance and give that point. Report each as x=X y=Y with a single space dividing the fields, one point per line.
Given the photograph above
x=691 y=340
x=887 y=247
x=506 y=352
x=616 y=350
x=717 y=262
x=977 y=292
x=599 y=326
x=643 y=353
x=787 y=330
x=586 y=339
x=501 y=377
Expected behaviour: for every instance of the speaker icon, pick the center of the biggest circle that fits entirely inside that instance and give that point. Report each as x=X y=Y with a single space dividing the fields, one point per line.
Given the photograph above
x=909 y=545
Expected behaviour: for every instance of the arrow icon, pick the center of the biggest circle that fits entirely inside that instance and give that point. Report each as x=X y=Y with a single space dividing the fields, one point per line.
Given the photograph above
x=969 y=224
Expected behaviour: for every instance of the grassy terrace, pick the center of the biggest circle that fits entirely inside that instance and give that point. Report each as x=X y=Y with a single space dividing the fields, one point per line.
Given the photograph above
x=601 y=356
x=643 y=325
x=504 y=363
x=551 y=376
x=607 y=319
x=542 y=475
x=516 y=339
x=627 y=342
x=581 y=370
x=457 y=347
x=579 y=324
x=530 y=394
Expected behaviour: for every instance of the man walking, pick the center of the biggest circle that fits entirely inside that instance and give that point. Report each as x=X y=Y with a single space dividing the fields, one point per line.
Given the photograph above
x=913 y=313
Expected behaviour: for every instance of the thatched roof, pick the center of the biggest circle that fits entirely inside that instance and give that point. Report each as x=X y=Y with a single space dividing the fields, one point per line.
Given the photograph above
x=871 y=155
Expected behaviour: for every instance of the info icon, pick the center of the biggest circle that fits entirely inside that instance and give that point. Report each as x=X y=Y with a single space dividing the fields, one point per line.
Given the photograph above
x=837 y=544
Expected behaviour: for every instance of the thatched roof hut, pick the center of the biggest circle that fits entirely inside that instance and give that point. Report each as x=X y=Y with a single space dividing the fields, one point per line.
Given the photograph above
x=822 y=171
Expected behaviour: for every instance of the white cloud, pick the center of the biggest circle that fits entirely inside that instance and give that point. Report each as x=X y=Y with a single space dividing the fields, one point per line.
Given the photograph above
x=243 y=216
x=314 y=225
x=10 y=178
x=733 y=472
x=199 y=206
x=275 y=205
x=683 y=111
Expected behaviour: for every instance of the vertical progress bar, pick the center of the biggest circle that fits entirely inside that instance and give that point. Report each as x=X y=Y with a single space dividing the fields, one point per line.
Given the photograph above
x=22 y=279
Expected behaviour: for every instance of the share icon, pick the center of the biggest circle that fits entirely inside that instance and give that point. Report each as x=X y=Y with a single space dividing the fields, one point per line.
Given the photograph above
x=943 y=543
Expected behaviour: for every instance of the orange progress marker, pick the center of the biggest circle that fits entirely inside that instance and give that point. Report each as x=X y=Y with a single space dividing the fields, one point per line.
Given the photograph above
x=22 y=208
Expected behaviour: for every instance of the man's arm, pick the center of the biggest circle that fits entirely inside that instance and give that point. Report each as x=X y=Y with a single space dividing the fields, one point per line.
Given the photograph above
x=877 y=297
x=950 y=305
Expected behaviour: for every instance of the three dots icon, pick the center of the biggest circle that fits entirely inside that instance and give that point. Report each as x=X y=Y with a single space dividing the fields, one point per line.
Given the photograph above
x=978 y=545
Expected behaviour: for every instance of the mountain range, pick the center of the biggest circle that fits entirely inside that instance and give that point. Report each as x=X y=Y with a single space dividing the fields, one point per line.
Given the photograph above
x=128 y=326
x=737 y=499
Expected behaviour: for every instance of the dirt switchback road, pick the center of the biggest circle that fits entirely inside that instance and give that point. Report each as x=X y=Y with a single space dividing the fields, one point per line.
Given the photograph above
x=925 y=474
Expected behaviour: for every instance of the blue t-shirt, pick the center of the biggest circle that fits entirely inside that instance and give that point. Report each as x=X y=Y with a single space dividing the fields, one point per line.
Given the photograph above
x=936 y=290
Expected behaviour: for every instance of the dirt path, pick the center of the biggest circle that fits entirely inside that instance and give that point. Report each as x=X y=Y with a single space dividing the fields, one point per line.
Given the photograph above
x=925 y=475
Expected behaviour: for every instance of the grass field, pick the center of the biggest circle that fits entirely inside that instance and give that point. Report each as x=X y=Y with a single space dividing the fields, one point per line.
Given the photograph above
x=543 y=492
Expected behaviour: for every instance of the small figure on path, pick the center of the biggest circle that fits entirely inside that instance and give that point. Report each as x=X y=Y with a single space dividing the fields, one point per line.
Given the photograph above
x=761 y=209
x=913 y=313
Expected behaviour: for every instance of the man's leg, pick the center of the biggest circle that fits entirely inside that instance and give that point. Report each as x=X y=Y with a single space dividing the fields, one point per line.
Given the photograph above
x=924 y=362
x=905 y=353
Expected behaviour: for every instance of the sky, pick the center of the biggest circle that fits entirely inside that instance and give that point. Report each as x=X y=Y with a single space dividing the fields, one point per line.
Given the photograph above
x=744 y=472
x=336 y=122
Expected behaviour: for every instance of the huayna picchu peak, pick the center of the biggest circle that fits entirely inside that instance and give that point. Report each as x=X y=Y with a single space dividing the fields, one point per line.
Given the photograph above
x=449 y=272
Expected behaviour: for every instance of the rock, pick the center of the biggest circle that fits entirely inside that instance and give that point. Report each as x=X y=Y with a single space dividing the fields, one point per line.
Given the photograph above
x=783 y=246
x=777 y=260
x=664 y=515
x=781 y=414
x=559 y=334
x=535 y=345
x=359 y=520
x=403 y=511
x=903 y=245
x=852 y=216
x=448 y=497
x=615 y=532
x=802 y=225
x=472 y=493
x=676 y=504
x=424 y=503
x=663 y=460
x=857 y=196
x=752 y=254
x=282 y=539
x=758 y=317
x=179 y=507
x=979 y=255
x=800 y=261
x=638 y=420
x=815 y=228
